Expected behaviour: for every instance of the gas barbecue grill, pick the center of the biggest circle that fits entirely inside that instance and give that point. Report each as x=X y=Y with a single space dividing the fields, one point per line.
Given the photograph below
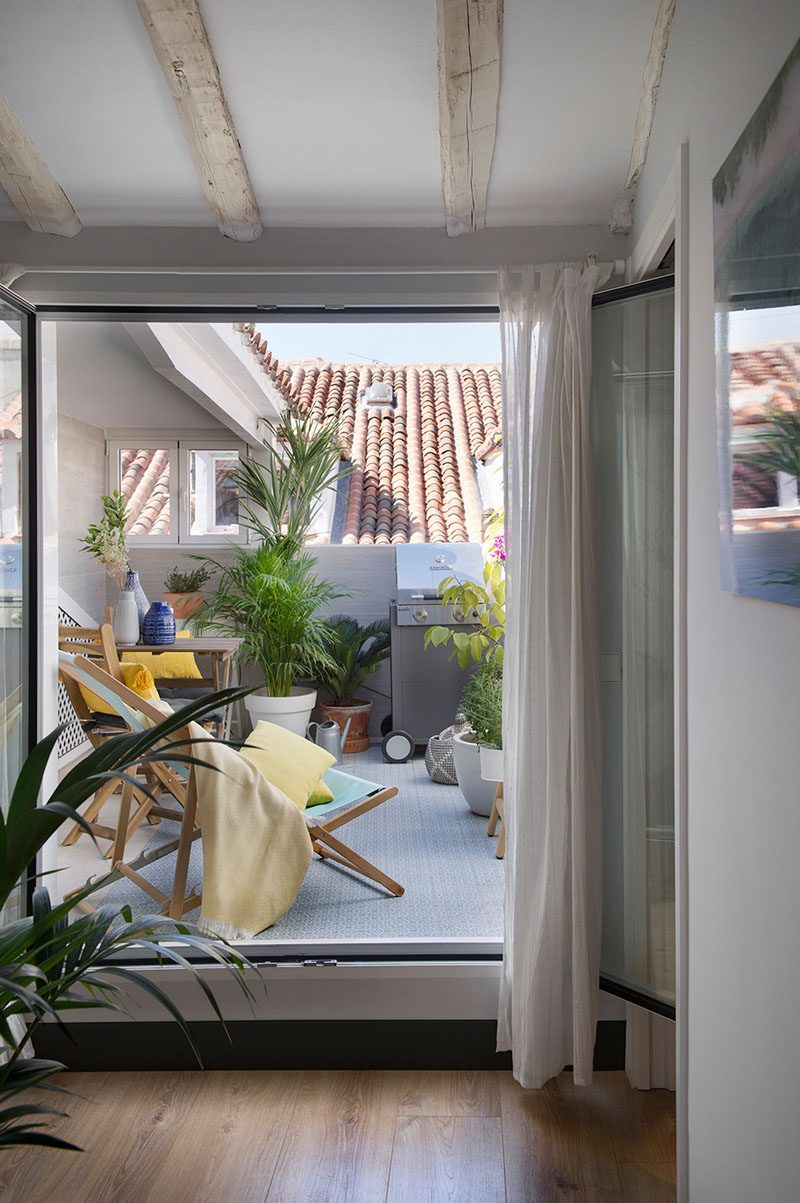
x=426 y=683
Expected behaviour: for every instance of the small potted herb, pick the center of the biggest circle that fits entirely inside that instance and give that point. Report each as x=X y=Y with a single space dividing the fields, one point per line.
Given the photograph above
x=183 y=590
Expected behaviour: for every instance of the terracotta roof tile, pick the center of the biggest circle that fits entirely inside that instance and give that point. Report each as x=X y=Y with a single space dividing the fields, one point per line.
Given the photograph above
x=11 y=418
x=413 y=478
x=762 y=376
x=414 y=466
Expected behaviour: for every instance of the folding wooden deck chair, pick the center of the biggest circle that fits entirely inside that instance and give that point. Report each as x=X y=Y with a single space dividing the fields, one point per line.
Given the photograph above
x=97 y=645
x=137 y=715
x=352 y=797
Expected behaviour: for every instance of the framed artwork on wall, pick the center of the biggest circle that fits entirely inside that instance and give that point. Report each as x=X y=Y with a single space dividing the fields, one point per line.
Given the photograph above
x=756 y=200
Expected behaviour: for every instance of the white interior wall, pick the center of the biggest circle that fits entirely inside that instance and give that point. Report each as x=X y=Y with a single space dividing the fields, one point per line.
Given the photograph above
x=81 y=480
x=743 y=665
x=105 y=381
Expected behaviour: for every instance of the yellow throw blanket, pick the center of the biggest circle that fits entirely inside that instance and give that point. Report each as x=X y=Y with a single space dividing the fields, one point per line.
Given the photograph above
x=256 y=846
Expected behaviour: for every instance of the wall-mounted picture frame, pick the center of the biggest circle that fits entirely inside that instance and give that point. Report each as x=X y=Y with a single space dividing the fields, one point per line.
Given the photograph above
x=756 y=205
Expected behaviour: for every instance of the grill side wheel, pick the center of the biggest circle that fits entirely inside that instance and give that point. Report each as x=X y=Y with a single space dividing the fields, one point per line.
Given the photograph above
x=397 y=747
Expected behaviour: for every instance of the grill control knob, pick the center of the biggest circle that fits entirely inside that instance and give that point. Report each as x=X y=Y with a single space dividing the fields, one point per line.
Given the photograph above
x=421 y=614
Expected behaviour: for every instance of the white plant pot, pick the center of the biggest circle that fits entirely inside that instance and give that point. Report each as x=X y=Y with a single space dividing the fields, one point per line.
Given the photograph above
x=126 y=619
x=479 y=794
x=491 y=763
x=293 y=712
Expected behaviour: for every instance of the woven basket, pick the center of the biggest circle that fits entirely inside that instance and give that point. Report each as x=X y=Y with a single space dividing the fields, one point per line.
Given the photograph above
x=439 y=753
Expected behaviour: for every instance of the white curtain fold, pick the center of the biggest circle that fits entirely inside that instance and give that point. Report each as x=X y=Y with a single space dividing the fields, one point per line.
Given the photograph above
x=551 y=690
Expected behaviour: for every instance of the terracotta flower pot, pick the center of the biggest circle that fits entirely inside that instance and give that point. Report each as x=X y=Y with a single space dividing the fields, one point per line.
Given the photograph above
x=184 y=605
x=358 y=712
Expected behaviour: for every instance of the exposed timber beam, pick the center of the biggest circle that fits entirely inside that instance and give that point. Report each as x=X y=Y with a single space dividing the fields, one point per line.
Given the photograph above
x=469 y=36
x=31 y=186
x=621 y=215
x=184 y=53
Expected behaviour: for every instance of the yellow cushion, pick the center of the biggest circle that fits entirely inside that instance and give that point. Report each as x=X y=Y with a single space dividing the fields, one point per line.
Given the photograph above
x=136 y=676
x=293 y=764
x=321 y=793
x=168 y=665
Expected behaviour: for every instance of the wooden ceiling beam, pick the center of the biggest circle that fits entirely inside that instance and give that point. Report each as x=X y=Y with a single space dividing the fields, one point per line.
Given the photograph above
x=180 y=41
x=469 y=40
x=31 y=186
x=622 y=211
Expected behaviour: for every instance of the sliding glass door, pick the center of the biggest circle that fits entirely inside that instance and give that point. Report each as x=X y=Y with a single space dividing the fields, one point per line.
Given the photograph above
x=633 y=347
x=17 y=667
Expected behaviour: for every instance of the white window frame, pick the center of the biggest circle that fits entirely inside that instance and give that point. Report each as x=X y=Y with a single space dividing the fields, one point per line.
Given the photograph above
x=180 y=449
x=185 y=449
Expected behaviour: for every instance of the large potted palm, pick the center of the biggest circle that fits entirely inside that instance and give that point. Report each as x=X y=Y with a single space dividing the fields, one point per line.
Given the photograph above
x=269 y=596
x=356 y=653
x=271 y=599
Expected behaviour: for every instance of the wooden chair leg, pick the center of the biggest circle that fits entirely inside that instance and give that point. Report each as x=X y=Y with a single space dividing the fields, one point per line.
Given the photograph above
x=91 y=812
x=185 y=841
x=497 y=815
x=144 y=806
x=345 y=855
x=118 y=847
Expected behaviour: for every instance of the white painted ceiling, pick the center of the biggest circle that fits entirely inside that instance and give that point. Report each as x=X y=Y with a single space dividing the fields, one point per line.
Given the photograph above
x=335 y=104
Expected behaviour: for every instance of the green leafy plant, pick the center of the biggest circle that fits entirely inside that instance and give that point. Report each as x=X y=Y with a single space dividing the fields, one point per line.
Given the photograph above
x=483 y=644
x=106 y=540
x=281 y=499
x=779 y=443
x=482 y=704
x=51 y=963
x=356 y=653
x=271 y=598
x=187 y=581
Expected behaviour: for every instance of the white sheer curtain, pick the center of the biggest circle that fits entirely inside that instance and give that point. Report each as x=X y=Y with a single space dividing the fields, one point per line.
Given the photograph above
x=549 y=990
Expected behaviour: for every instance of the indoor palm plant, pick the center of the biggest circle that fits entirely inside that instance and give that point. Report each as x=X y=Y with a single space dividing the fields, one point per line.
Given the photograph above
x=280 y=500
x=356 y=653
x=51 y=963
x=270 y=598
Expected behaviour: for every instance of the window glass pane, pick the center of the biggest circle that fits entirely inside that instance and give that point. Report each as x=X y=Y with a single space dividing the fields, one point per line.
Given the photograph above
x=213 y=496
x=12 y=729
x=145 y=483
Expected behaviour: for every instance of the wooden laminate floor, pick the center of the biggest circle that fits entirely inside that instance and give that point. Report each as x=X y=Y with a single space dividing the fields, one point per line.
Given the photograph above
x=356 y=1136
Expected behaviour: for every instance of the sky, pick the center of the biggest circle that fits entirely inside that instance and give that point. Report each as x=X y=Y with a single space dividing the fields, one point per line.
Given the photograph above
x=748 y=326
x=386 y=342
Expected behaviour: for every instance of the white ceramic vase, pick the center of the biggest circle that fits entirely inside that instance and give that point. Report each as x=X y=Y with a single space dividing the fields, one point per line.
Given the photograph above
x=479 y=794
x=126 y=618
x=293 y=712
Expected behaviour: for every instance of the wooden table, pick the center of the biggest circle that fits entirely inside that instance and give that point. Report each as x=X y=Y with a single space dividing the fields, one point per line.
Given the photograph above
x=220 y=650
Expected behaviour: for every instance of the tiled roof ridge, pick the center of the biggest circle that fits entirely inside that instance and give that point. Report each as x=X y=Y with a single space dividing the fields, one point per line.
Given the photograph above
x=269 y=362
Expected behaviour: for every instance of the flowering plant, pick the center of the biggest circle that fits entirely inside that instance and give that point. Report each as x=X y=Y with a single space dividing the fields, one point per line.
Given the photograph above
x=107 y=539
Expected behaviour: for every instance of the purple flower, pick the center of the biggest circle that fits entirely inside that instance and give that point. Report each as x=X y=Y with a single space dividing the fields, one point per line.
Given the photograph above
x=497 y=551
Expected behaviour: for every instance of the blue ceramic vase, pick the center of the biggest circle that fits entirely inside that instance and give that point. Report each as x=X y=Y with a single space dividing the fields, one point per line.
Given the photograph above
x=133 y=585
x=159 y=624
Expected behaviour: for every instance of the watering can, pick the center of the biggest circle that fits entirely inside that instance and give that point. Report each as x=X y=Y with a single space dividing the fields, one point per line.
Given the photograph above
x=329 y=736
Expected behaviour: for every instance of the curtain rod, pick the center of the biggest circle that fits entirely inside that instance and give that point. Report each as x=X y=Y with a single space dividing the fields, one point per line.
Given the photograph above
x=619 y=270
